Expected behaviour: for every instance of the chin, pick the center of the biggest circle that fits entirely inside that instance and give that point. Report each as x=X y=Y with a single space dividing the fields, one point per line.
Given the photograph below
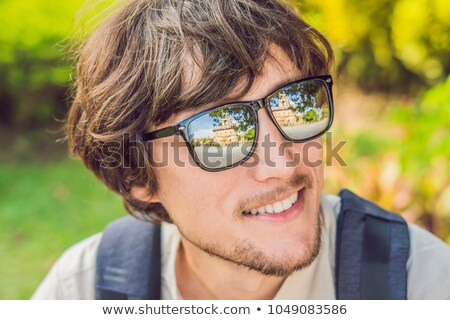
x=285 y=259
x=279 y=256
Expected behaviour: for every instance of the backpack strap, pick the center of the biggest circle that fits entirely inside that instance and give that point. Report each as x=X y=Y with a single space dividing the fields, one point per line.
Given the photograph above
x=372 y=248
x=129 y=261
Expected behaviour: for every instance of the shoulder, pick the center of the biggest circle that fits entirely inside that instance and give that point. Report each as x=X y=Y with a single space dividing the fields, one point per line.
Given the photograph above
x=72 y=277
x=73 y=274
x=428 y=266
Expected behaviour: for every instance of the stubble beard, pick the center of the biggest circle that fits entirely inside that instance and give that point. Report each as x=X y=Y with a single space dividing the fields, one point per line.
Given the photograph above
x=246 y=255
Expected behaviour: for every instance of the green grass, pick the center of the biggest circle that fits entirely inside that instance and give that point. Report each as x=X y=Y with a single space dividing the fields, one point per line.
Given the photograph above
x=43 y=210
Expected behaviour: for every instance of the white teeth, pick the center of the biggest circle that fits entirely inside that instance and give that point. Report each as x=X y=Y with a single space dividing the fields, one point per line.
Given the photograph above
x=293 y=197
x=286 y=204
x=269 y=208
x=276 y=207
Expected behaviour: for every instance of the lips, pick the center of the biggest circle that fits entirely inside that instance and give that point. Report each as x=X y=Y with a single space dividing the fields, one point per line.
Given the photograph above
x=276 y=207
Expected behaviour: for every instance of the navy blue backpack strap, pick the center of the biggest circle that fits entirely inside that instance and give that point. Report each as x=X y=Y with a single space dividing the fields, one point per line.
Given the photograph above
x=129 y=261
x=372 y=248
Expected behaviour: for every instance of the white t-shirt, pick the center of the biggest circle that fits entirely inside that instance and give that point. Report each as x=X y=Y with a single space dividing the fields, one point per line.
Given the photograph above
x=428 y=266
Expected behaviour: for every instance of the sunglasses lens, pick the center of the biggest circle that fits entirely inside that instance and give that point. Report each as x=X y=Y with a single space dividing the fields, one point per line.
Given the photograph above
x=302 y=110
x=223 y=137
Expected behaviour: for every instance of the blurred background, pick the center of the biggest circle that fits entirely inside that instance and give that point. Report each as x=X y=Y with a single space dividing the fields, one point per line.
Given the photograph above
x=392 y=99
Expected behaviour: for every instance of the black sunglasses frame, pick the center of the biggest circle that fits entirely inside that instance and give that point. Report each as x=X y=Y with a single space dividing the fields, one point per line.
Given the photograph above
x=255 y=105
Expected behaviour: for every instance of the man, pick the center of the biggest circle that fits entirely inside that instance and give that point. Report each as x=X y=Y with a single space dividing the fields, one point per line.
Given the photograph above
x=207 y=116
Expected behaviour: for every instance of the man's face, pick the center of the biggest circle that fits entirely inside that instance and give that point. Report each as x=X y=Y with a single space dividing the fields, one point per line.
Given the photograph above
x=210 y=208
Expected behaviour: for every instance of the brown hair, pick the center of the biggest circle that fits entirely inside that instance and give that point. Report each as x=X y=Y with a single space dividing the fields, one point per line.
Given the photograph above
x=131 y=74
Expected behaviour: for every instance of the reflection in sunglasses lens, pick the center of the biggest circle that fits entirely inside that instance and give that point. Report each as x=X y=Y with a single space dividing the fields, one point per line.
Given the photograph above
x=302 y=109
x=223 y=136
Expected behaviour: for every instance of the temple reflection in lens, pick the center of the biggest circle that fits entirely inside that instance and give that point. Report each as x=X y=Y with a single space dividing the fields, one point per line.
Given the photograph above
x=223 y=136
x=302 y=110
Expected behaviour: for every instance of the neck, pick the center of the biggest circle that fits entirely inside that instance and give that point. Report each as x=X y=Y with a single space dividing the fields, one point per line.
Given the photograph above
x=201 y=276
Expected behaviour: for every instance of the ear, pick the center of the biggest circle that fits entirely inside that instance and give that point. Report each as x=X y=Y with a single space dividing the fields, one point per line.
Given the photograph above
x=142 y=194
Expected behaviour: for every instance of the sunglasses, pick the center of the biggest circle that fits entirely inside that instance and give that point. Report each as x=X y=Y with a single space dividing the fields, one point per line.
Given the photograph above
x=225 y=136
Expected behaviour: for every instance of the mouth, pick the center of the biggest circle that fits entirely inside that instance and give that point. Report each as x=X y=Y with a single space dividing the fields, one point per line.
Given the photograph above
x=278 y=208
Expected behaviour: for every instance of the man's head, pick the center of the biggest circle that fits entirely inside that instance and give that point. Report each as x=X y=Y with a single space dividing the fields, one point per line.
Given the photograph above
x=156 y=62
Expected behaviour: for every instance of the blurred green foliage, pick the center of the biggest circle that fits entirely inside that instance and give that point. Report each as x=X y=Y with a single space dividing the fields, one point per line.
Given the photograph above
x=33 y=72
x=422 y=145
x=403 y=161
x=395 y=45
x=43 y=210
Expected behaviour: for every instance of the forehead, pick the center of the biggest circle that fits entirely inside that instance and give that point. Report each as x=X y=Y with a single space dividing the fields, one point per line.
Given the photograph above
x=278 y=70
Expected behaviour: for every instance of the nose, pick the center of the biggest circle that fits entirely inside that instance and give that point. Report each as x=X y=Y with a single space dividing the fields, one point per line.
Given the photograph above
x=273 y=154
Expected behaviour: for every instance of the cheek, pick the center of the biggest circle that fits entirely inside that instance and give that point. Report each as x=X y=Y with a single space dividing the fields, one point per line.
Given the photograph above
x=170 y=152
x=188 y=192
x=312 y=154
x=316 y=156
x=308 y=155
x=312 y=161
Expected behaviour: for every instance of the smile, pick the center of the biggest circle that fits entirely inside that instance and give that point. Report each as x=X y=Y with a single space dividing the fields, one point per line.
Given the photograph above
x=276 y=207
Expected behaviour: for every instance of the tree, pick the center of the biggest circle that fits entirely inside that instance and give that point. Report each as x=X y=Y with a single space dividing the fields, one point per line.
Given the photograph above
x=311 y=115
